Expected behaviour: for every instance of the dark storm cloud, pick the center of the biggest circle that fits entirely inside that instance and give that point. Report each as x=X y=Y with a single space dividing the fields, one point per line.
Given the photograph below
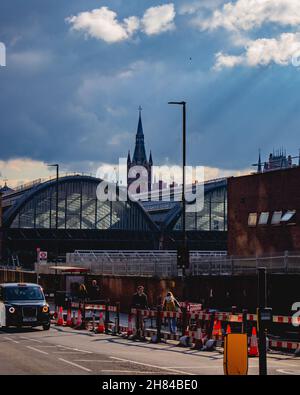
x=69 y=98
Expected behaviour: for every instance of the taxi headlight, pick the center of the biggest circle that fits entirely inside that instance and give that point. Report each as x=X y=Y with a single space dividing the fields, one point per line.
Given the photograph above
x=45 y=309
x=11 y=310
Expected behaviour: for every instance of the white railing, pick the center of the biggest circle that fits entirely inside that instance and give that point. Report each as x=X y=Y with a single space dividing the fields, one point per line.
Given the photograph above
x=164 y=263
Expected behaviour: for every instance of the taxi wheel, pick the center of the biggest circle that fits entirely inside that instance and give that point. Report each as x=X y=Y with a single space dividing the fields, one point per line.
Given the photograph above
x=46 y=327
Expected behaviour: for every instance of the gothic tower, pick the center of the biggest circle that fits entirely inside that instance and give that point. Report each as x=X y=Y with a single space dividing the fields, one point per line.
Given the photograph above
x=139 y=157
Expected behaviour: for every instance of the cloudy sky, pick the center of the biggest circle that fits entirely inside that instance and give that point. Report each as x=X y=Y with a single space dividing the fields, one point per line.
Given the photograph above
x=76 y=72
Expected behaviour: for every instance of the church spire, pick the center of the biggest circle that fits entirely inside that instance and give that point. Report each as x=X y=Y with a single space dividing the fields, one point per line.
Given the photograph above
x=259 y=163
x=128 y=158
x=139 y=156
x=150 y=159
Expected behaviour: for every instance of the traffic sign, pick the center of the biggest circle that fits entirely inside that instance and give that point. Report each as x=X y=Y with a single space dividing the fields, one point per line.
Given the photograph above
x=43 y=256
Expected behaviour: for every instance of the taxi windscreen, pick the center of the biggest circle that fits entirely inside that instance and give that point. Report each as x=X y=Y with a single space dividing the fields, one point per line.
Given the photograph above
x=23 y=293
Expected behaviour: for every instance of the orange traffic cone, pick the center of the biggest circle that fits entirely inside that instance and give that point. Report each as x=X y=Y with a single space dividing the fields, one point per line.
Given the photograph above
x=101 y=327
x=69 y=318
x=130 y=328
x=217 y=329
x=253 y=350
x=79 y=320
x=228 y=329
x=60 y=318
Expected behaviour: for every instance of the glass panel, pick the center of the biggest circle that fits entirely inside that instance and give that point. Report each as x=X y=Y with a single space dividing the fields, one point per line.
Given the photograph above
x=263 y=219
x=252 y=219
x=213 y=216
x=77 y=203
x=276 y=218
x=288 y=215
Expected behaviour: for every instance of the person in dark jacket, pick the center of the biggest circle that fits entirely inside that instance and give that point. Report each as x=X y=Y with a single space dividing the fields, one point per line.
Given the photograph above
x=139 y=299
x=139 y=302
x=94 y=291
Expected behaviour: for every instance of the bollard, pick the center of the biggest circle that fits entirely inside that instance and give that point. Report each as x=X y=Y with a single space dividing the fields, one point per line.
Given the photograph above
x=94 y=325
x=106 y=319
x=211 y=325
x=82 y=311
x=158 y=323
x=245 y=322
x=184 y=320
x=117 y=320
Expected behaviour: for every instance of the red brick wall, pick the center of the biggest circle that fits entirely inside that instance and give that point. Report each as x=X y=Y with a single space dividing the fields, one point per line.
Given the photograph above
x=271 y=191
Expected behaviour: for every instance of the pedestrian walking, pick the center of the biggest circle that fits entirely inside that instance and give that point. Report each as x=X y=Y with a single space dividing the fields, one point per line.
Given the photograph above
x=139 y=302
x=94 y=291
x=171 y=304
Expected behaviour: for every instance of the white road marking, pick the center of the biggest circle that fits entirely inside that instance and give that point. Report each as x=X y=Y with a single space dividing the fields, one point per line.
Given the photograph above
x=67 y=352
x=75 y=364
x=75 y=349
x=29 y=338
x=295 y=373
x=12 y=340
x=93 y=360
x=35 y=349
x=152 y=366
x=44 y=346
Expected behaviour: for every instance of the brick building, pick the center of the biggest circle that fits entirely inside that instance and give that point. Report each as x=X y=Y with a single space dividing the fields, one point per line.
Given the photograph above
x=264 y=213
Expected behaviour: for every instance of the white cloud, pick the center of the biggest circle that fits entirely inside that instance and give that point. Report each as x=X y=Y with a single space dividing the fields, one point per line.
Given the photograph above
x=189 y=8
x=249 y=14
x=211 y=173
x=227 y=61
x=263 y=51
x=20 y=171
x=103 y=24
x=159 y=19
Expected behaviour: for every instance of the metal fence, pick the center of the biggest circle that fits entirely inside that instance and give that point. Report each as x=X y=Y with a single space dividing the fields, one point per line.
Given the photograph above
x=164 y=263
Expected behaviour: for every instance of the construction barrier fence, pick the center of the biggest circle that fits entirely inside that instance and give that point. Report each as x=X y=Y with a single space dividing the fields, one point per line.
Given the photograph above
x=160 y=325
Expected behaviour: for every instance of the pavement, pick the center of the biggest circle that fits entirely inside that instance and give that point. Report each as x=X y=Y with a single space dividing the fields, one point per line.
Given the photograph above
x=65 y=351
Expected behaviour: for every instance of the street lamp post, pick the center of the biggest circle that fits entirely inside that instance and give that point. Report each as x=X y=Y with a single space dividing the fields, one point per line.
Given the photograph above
x=56 y=165
x=56 y=204
x=184 y=237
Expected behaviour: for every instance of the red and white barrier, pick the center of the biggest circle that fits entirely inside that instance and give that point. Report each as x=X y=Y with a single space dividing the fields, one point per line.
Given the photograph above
x=145 y=313
x=284 y=344
x=171 y=314
x=286 y=320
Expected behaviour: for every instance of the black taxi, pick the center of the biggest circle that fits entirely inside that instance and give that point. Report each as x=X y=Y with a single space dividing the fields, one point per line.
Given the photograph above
x=23 y=304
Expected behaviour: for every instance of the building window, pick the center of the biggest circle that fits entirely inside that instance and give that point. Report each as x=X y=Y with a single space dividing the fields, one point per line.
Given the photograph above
x=252 y=219
x=276 y=218
x=288 y=215
x=263 y=219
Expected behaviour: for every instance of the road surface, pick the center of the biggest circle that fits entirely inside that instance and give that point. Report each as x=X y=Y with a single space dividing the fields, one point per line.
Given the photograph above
x=64 y=351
